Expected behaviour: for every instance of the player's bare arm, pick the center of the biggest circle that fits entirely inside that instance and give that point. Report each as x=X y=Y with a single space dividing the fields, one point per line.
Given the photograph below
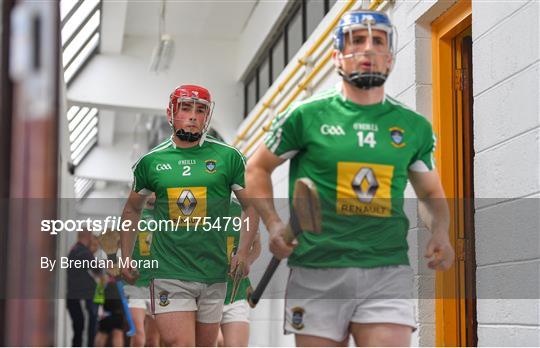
x=255 y=250
x=132 y=212
x=248 y=231
x=428 y=188
x=258 y=177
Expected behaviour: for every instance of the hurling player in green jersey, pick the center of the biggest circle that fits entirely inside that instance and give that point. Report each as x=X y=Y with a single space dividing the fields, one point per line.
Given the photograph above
x=193 y=176
x=360 y=148
x=235 y=320
x=138 y=294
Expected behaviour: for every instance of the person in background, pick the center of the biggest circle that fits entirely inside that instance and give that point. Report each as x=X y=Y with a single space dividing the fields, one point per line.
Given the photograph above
x=81 y=287
x=111 y=325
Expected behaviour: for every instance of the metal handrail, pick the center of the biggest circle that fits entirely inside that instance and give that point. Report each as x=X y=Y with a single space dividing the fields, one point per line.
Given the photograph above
x=299 y=88
x=302 y=85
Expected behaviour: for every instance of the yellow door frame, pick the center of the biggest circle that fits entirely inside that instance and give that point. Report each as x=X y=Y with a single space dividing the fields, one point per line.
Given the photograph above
x=449 y=315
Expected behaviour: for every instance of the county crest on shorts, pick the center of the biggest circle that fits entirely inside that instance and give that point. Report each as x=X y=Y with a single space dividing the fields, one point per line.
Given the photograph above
x=164 y=298
x=297 y=320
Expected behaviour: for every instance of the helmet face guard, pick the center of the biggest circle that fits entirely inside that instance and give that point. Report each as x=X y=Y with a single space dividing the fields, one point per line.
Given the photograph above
x=353 y=47
x=190 y=99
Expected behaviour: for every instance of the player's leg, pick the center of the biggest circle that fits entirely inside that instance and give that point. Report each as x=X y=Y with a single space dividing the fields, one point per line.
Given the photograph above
x=386 y=315
x=206 y=334
x=137 y=298
x=152 y=334
x=383 y=334
x=177 y=329
x=209 y=313
x=314 y=341
x=235 y=324
x=175 y=308
x=138 y=315
x=220 y=339
x=235 y=334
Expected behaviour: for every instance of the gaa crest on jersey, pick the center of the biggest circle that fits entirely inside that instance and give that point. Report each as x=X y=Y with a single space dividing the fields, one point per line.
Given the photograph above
x=210 y=166
x=396 y=134
x=297 y=320
x=163 y=298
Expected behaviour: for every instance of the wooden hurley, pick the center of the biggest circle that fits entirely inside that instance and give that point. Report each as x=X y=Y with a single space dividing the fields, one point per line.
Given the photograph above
x=305 y=216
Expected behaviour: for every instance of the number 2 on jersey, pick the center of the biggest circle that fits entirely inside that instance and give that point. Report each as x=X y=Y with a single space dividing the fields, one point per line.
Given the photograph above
x=369 y=139
x=186 y=171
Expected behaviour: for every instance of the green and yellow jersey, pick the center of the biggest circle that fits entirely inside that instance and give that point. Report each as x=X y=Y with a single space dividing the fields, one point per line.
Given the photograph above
x=233 y=238
x=193 y=188
x=141 y=251
x=359 y=157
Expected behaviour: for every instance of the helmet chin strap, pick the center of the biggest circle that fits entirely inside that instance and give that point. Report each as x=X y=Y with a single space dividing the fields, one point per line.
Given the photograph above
x=187 y=136
x=364 y=80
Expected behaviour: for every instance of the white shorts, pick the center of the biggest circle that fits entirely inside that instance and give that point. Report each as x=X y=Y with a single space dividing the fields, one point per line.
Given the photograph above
x=235 y=312
x=323 y=302
x=171 y=295
x=138 y=297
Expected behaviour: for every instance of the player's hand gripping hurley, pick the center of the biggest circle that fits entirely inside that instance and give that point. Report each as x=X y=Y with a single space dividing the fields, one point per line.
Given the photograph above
x=305 y=216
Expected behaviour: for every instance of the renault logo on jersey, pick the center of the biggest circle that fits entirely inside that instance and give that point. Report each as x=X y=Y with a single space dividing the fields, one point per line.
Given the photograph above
x=365 y=185
x=186 y=202
x=163 y=166
x=331 y=130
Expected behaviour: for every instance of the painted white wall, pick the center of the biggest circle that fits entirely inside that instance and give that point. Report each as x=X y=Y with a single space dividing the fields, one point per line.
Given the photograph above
x=507 y=181
x=261 y=22
x=113 y=22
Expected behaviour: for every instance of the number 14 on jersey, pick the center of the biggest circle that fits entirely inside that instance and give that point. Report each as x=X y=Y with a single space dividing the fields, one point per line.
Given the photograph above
x=366 y=138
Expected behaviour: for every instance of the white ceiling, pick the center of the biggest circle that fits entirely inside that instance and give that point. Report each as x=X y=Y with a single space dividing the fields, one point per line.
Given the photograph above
x=206 y=19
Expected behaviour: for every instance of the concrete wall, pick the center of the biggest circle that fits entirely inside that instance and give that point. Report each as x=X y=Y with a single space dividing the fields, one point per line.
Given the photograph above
x=507 y=183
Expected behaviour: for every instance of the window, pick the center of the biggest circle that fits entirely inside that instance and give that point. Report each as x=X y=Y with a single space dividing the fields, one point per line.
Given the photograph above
x=315 y=11
x=251 y=94
x=82 y=187
x=264 y=77
x=278 y=57
x=83 y=130
x=80 y=33
x=304 y=16
x=295 y=37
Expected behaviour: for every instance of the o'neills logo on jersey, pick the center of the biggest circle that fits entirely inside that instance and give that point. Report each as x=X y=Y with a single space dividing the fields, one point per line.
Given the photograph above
x=331 y=130
x=163 y=166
